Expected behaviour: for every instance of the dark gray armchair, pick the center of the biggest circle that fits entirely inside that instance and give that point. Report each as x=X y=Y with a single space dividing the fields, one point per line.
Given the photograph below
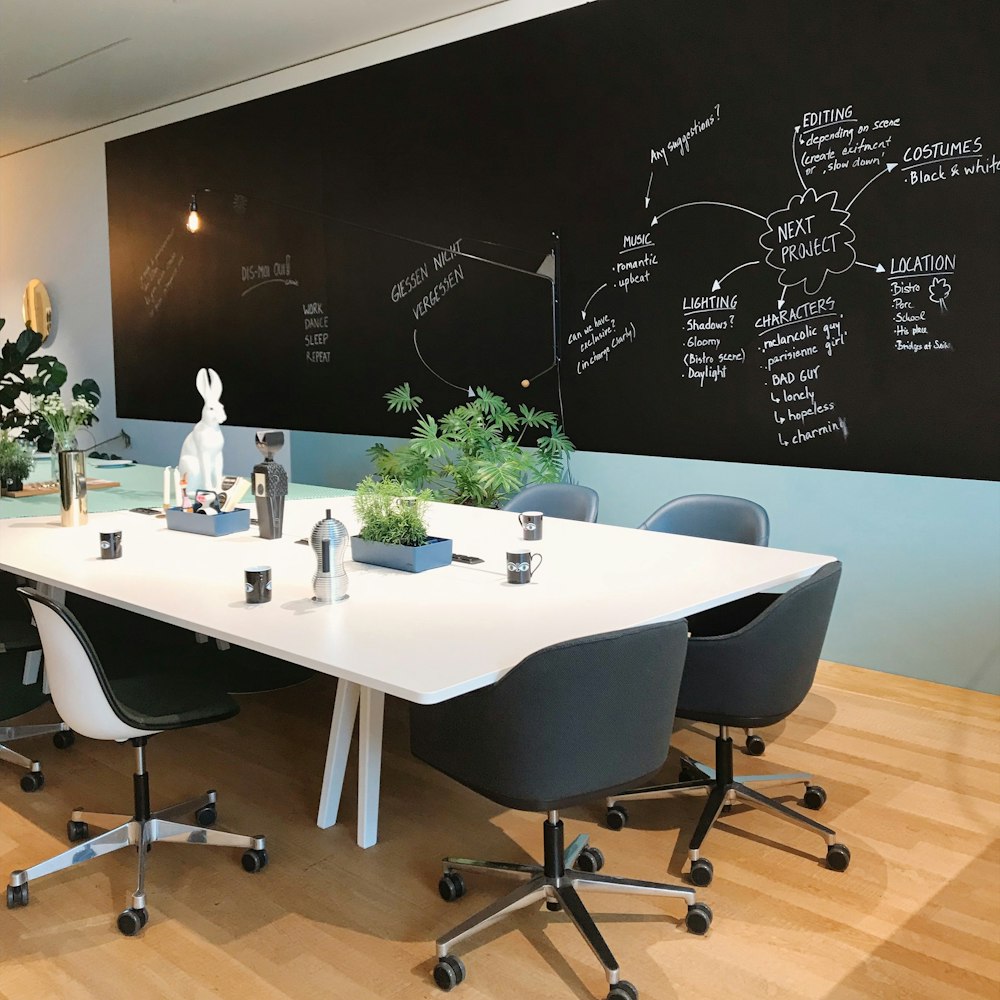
x=575 y=503
x=543 y=738
x=749 y=663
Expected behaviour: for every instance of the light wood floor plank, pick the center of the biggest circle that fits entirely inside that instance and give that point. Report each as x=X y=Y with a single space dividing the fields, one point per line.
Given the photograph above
x=912 y=771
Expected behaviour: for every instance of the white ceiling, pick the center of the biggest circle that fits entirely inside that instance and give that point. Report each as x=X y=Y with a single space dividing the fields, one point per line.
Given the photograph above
x=70 y=65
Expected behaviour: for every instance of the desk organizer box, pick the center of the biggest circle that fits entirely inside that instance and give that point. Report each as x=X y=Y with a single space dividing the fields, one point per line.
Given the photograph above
x=205 y=524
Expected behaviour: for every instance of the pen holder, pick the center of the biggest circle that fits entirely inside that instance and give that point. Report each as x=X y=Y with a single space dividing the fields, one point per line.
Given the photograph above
x=204 y=524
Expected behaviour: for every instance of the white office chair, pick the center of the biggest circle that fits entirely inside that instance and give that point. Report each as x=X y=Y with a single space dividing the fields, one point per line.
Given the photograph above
x=21 y=688
x=134 y=708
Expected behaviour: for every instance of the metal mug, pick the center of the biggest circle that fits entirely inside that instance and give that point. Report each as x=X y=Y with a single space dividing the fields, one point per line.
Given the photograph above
x=258 y=584
x=531 y=525
x=520 y=568
x=111 y=544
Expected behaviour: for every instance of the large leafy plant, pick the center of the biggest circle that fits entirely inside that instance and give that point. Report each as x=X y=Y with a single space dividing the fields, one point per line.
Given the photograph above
x=26 y=378
x=474 y=454
x=390 y=513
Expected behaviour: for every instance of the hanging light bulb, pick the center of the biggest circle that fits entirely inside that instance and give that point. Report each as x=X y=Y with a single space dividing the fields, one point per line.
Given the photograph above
x=193 y=223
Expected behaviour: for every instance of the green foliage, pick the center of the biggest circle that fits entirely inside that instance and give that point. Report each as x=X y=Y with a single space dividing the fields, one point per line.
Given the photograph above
x=390 y=512
x=26 y=378
x=16 y=458
x=473 y=453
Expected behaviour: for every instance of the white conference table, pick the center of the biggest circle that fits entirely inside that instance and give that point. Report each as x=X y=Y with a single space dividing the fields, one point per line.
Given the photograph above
x=424 y=637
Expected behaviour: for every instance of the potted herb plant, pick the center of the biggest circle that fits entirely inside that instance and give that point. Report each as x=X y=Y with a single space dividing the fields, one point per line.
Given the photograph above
x=16 y=463
x=474 y=453
x=393 y=531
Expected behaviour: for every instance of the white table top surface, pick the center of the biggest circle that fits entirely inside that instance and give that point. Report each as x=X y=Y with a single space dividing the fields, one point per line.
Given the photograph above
x=424 y=637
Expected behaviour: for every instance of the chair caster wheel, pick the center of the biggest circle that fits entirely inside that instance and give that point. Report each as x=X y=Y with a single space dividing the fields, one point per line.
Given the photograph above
x=206 y=815
x=76 y=830
x=451 y=886
x=814 y=797
x=132 y=920
x=64 y=739
x=254 y=860
x=623 y=990
x=589 y=860
x=617 y=818
x=553 y=905
x=838 y=857
x=449 y=972
x=32 y=781
x=755 y=745
x=699 y=918
x=702 y=873
x=17 y=895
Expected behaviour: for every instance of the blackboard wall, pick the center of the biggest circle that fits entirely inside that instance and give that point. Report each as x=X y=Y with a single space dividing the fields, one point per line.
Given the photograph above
x=760 y=137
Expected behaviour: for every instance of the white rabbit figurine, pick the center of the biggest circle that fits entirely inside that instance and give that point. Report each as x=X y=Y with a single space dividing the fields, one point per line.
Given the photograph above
x=201 y=454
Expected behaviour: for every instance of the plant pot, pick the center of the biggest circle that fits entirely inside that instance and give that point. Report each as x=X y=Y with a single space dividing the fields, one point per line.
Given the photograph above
x=410 y=558
x=10 y=484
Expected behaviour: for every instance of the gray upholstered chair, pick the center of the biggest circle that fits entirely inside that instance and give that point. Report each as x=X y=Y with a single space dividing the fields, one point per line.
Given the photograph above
x=567 y=500
x=749 y=663
x=709 y=515
x=544 y=738
x=21 y=688
x=132 y=708
x=727 y=519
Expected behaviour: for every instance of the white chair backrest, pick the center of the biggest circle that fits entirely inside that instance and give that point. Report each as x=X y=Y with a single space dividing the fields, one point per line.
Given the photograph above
x=73 y=682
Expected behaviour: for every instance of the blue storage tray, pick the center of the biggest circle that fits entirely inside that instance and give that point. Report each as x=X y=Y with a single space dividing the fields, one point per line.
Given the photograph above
x=205 y=524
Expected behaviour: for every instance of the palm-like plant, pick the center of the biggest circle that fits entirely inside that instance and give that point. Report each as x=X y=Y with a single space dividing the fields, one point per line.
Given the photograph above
x=473 y=454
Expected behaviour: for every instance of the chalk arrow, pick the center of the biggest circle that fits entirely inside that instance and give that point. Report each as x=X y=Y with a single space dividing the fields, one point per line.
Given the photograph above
x=721 y=204
x=877 y=268
x=781 y=297
x=583 y=311
x=416 y=347
x=887 y=169
x=795 y=135
x=648 y=186
x=718 y=283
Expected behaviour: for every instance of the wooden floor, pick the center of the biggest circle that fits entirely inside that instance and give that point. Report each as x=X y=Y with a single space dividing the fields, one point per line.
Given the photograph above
x=912 y=771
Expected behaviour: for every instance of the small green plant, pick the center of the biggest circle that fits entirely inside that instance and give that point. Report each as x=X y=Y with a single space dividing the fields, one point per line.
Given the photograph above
x=26 y=378
x=473 y=454
x=391 y=513
x=16 y=460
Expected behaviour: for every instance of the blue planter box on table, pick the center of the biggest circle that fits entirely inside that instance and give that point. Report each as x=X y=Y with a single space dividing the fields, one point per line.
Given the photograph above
x=410 y=558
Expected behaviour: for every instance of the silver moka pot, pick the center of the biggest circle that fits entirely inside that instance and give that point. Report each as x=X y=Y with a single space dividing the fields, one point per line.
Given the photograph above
x=329 y=544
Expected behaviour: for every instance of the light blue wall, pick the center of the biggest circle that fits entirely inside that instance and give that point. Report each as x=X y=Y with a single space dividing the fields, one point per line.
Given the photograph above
x=921 y=587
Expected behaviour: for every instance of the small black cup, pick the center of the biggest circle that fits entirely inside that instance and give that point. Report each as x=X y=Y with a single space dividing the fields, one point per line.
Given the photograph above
x=258 y=584
x=519 y=568
x=531 y=525
x=111 y=544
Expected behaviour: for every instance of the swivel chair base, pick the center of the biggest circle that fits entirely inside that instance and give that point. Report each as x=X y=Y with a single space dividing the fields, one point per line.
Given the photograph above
x=62 y=737
x=140 y=830
x=565 y=870
x=726 y=789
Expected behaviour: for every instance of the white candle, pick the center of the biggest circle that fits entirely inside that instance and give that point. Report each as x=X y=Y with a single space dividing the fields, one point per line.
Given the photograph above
x=177 y=488
x=166 y=486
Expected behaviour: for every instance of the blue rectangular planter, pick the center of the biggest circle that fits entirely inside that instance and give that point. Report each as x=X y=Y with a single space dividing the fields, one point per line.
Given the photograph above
x=410 y=558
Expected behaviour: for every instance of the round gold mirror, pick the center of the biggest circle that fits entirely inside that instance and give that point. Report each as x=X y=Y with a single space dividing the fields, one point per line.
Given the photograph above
x=37 y=308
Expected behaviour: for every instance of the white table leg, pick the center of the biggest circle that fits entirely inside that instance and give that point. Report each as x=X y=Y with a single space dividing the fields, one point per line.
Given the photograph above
x=345 y=711
x=369 y=764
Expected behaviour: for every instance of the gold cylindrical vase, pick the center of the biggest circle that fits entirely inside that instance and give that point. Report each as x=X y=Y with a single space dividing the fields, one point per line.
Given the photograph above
x=72 y=488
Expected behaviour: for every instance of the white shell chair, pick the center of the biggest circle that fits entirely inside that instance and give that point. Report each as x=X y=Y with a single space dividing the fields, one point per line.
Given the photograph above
x=133 y=709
